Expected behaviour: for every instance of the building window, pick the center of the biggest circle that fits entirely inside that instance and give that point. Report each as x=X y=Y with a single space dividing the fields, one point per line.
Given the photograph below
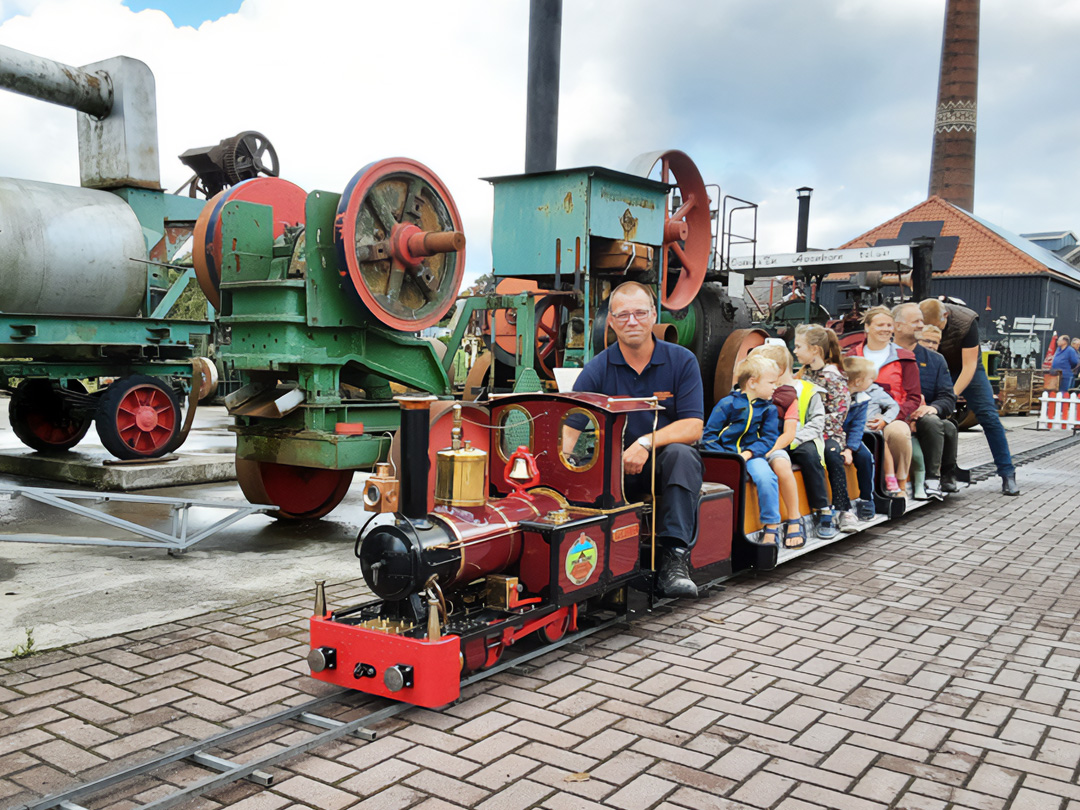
x=1055 y=297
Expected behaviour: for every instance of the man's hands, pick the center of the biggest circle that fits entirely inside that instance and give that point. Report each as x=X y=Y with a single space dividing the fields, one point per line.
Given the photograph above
x=922 y=411
x=634 y=458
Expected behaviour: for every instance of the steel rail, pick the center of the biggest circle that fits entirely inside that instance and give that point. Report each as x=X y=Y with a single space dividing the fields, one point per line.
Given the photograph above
x=197 y=751
x=64 y=800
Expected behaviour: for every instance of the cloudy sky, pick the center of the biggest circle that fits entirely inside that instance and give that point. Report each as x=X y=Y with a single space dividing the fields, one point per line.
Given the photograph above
x=765 y=95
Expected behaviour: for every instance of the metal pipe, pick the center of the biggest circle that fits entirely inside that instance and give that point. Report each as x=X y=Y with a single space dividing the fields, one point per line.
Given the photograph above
x=415 y=461
x=542 y=104
x=922 y=267
x=803 y=228
x=55 y=82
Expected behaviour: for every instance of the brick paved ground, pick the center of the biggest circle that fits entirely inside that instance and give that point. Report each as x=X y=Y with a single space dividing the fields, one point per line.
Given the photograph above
x=929 y=664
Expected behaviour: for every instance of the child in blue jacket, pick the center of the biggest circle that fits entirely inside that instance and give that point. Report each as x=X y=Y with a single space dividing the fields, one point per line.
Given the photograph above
x=746 y=422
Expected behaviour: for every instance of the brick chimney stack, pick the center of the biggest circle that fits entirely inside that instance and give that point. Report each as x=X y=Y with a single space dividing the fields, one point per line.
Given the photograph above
x=952 y=165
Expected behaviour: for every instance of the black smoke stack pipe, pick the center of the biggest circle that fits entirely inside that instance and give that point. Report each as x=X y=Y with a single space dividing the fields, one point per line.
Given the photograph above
x=922 y=267
x=415 y=462
x=803 y=195
x=542 y=104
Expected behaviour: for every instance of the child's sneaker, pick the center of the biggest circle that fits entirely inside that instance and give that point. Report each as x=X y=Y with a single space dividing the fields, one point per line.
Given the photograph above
x=892 y=487
x=823 y=524
x=848 y=522
x=865 y=510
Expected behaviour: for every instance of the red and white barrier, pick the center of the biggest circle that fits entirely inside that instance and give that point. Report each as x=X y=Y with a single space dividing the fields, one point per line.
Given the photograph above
x=1059 y=411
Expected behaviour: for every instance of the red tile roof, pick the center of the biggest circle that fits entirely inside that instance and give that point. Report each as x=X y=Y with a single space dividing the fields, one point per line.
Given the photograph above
x=981 y=250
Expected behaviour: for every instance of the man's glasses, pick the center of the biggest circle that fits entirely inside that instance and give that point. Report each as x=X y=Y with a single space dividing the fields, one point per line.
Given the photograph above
x=638 y=315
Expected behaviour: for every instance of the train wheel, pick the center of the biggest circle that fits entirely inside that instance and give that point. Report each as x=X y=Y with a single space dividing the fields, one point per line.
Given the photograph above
x=43 y=420
x=139 y=417
x=400 y=245
x=557 y=628
x=299 y=493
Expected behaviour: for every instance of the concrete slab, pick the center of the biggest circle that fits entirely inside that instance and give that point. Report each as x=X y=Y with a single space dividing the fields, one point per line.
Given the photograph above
x=207 y=456
x=93 y=470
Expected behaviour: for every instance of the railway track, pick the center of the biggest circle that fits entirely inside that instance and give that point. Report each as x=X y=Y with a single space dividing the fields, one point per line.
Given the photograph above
x=985 y=471
x=311 y=715
x=307 y=716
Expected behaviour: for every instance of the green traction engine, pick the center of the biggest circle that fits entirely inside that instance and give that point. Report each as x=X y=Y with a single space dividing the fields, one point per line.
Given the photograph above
x=318 y=296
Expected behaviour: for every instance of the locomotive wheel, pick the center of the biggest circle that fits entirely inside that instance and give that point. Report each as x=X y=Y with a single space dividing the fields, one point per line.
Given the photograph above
x=288 y=201
x=43 y=420
x=299 y=493
x=556 y=629
x=400 y=244
x=687 y=230
x=138 y=417
x=736 y=347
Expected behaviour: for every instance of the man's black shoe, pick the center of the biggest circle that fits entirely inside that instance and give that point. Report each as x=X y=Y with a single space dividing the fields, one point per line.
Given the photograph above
x=673 y=576
x=948 y=483
x=1008 y=485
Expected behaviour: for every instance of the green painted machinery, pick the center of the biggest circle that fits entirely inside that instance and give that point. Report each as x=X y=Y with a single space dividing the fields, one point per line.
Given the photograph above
x=320 y=322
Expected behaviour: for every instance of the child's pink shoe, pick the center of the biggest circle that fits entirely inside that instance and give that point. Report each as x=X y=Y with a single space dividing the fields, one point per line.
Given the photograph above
x=892 y=487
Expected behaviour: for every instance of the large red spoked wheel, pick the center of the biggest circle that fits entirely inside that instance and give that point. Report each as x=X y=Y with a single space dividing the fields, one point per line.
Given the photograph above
x=400 y=243
x=138 y=417
x=552 y=314
x=288 y=201
x=687 y=230
x=299 y=493
x=43 y=418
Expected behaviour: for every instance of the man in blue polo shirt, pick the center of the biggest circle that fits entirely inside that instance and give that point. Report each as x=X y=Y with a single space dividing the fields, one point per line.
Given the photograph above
x=638 y=365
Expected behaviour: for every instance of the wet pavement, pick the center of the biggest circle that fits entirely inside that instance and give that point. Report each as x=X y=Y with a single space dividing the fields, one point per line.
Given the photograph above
x=927 y=663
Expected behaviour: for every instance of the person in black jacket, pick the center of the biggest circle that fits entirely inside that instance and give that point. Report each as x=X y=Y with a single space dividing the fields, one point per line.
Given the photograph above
x=930 y=421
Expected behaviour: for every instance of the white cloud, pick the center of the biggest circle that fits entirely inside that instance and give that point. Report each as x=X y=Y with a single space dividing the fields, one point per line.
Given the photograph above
x=765 y=96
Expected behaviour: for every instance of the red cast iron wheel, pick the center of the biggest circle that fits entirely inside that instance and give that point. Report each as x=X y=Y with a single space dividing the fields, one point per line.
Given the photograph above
x=385 y=199
x=299 y=493
x=43 y=419
x=556 y=629
x=691 y=253
x=139 y=417
x=287 y=201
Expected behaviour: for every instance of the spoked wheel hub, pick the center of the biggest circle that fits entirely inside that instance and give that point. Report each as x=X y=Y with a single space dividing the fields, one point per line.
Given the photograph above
x=400 y=243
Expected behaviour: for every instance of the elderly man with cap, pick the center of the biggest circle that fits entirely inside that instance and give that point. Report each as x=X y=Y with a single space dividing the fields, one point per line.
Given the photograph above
x=937 y=434
x=639 y=365
x=961 y=350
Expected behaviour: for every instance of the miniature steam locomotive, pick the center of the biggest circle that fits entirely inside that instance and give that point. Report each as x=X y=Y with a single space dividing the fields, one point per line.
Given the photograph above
x=461 y=575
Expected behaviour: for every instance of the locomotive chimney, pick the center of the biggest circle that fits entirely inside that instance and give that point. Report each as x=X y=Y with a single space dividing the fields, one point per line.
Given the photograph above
x=952 y=164
x=415 y=462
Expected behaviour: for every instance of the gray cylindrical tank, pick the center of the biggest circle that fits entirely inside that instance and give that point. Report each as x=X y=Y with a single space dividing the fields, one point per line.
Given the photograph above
x=68 y=251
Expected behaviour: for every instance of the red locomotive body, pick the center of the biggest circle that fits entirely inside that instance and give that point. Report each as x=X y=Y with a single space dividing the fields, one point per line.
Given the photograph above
x=459 y=583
